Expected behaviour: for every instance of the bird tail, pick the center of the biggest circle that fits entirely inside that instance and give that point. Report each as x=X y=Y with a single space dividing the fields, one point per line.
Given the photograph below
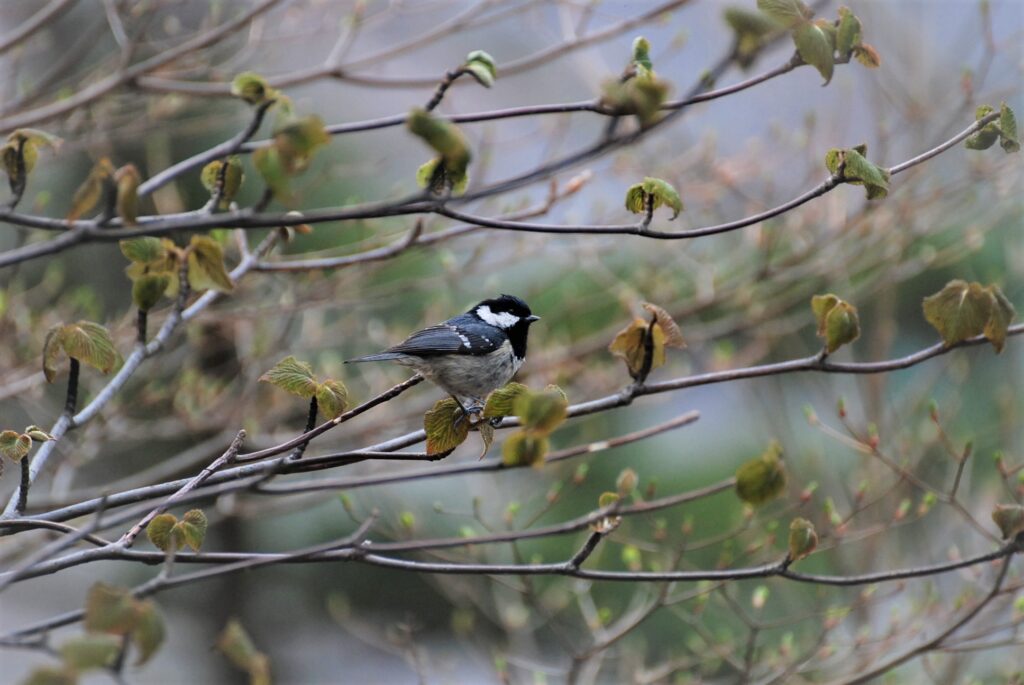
x=379 y=357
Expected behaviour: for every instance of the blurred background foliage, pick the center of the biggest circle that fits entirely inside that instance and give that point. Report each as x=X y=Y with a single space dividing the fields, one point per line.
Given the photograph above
x=741 y=298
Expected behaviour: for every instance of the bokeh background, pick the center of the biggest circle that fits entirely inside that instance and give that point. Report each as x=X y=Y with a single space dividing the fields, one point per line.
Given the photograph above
x=740 y=298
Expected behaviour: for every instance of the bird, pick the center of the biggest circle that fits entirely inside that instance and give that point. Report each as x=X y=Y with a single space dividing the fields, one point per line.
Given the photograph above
x=469 y=355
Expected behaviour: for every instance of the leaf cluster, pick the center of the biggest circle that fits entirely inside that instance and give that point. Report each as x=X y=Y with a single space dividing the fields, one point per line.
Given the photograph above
x=448 y=171
x=21 y=152
x=838 y=323
x=296 y=377
x=962 y=310
x=168 y=534
x=851 y=166
x=654 y=192
x=763 y=478
x=1005 y=131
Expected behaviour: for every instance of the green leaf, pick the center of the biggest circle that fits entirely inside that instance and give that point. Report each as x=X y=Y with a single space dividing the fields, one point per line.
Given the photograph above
x=483 y=73
x=988 y=135
x=607 y=499
x=848 y=33
x=14 y=445
x=802 y=538
x=252 y=88
x=109 y=609
x=234 y=642
x=149 y=631
x=641 y=97
x=38 y=434
x=92 y=189
x=747 y=22
x=89 y=343
x=90 y=651
x=36 y=137
x=999 y=321
x=143 y=250
x=206 y=265
x=293 y=376
x=51 y=353
x=815 y=48
x=1010 y=519
x=1008 y=130
x=160 y=531
x=788 y=13
x=628 y=344
x=148 y=289
x=446 y=426
x=445 y=139
x=524 y=448
x=477 y=61
x=840 y=326
x=642 y=53
x=541 y=412
x=332 y=398
x=661 y=193
x=271 y=167
x=821 y=305
x=298 y=138
x=959 y=311
x=233 y=177
x=192 y=528
x=501 y=402
x=127 y=179
x=850 y=166
x=763 y=478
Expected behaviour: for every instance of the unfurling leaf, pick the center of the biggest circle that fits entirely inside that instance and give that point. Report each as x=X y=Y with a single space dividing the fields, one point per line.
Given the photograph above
x=963 y=310
x=109 y=609
x=848 y=33
x=641 y=97
x=38 y=434
x=673 y=336
x=763 y=478
x=481 y=66
x=486 y=431
x=446 y=426
x=850 y=166
x=788 y=13
x=332 y=398
x=631 y=342
x=127 y=179
x=297 y=139
x=143 y=250
x=271 y=167
x=642 y=54
x=192 y=528
x=88 y=342
x=149 y=631
x=1008 y=130
x=1010 y=519
x=501 y=402
x=802 y=538
x=837 y=321
x=160 y=532
x=626 y=483
x=815 y=46
x=656 y=191
x=752 y=29
x=524 y=448
x=206 y=265
x=447 y=140
x=52 y=675
x=148 y=289
x=98 y=183
x=14 y=445
x=252 y=88
x=234 y=642
x=541 y=412
x=607 y=499
x=989 y=133
x=20 y=153
x=88 y=652
x=434 y=176
x=867 y=55
x=293 y=376
x=227 y=174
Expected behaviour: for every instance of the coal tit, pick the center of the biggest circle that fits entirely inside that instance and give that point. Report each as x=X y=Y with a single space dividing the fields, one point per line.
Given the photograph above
x=469 y=355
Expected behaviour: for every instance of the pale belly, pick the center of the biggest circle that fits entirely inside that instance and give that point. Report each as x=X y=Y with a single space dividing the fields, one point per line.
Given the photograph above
x=470 y=378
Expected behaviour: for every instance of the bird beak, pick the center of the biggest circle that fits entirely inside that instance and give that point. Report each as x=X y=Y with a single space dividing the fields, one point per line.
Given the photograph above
x=532 y=318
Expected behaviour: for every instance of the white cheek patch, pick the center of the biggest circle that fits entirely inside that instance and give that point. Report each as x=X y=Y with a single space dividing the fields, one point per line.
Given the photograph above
x=502 y=320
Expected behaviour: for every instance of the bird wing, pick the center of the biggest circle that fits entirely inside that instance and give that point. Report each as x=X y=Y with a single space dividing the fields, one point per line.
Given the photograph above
x=451 y=338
